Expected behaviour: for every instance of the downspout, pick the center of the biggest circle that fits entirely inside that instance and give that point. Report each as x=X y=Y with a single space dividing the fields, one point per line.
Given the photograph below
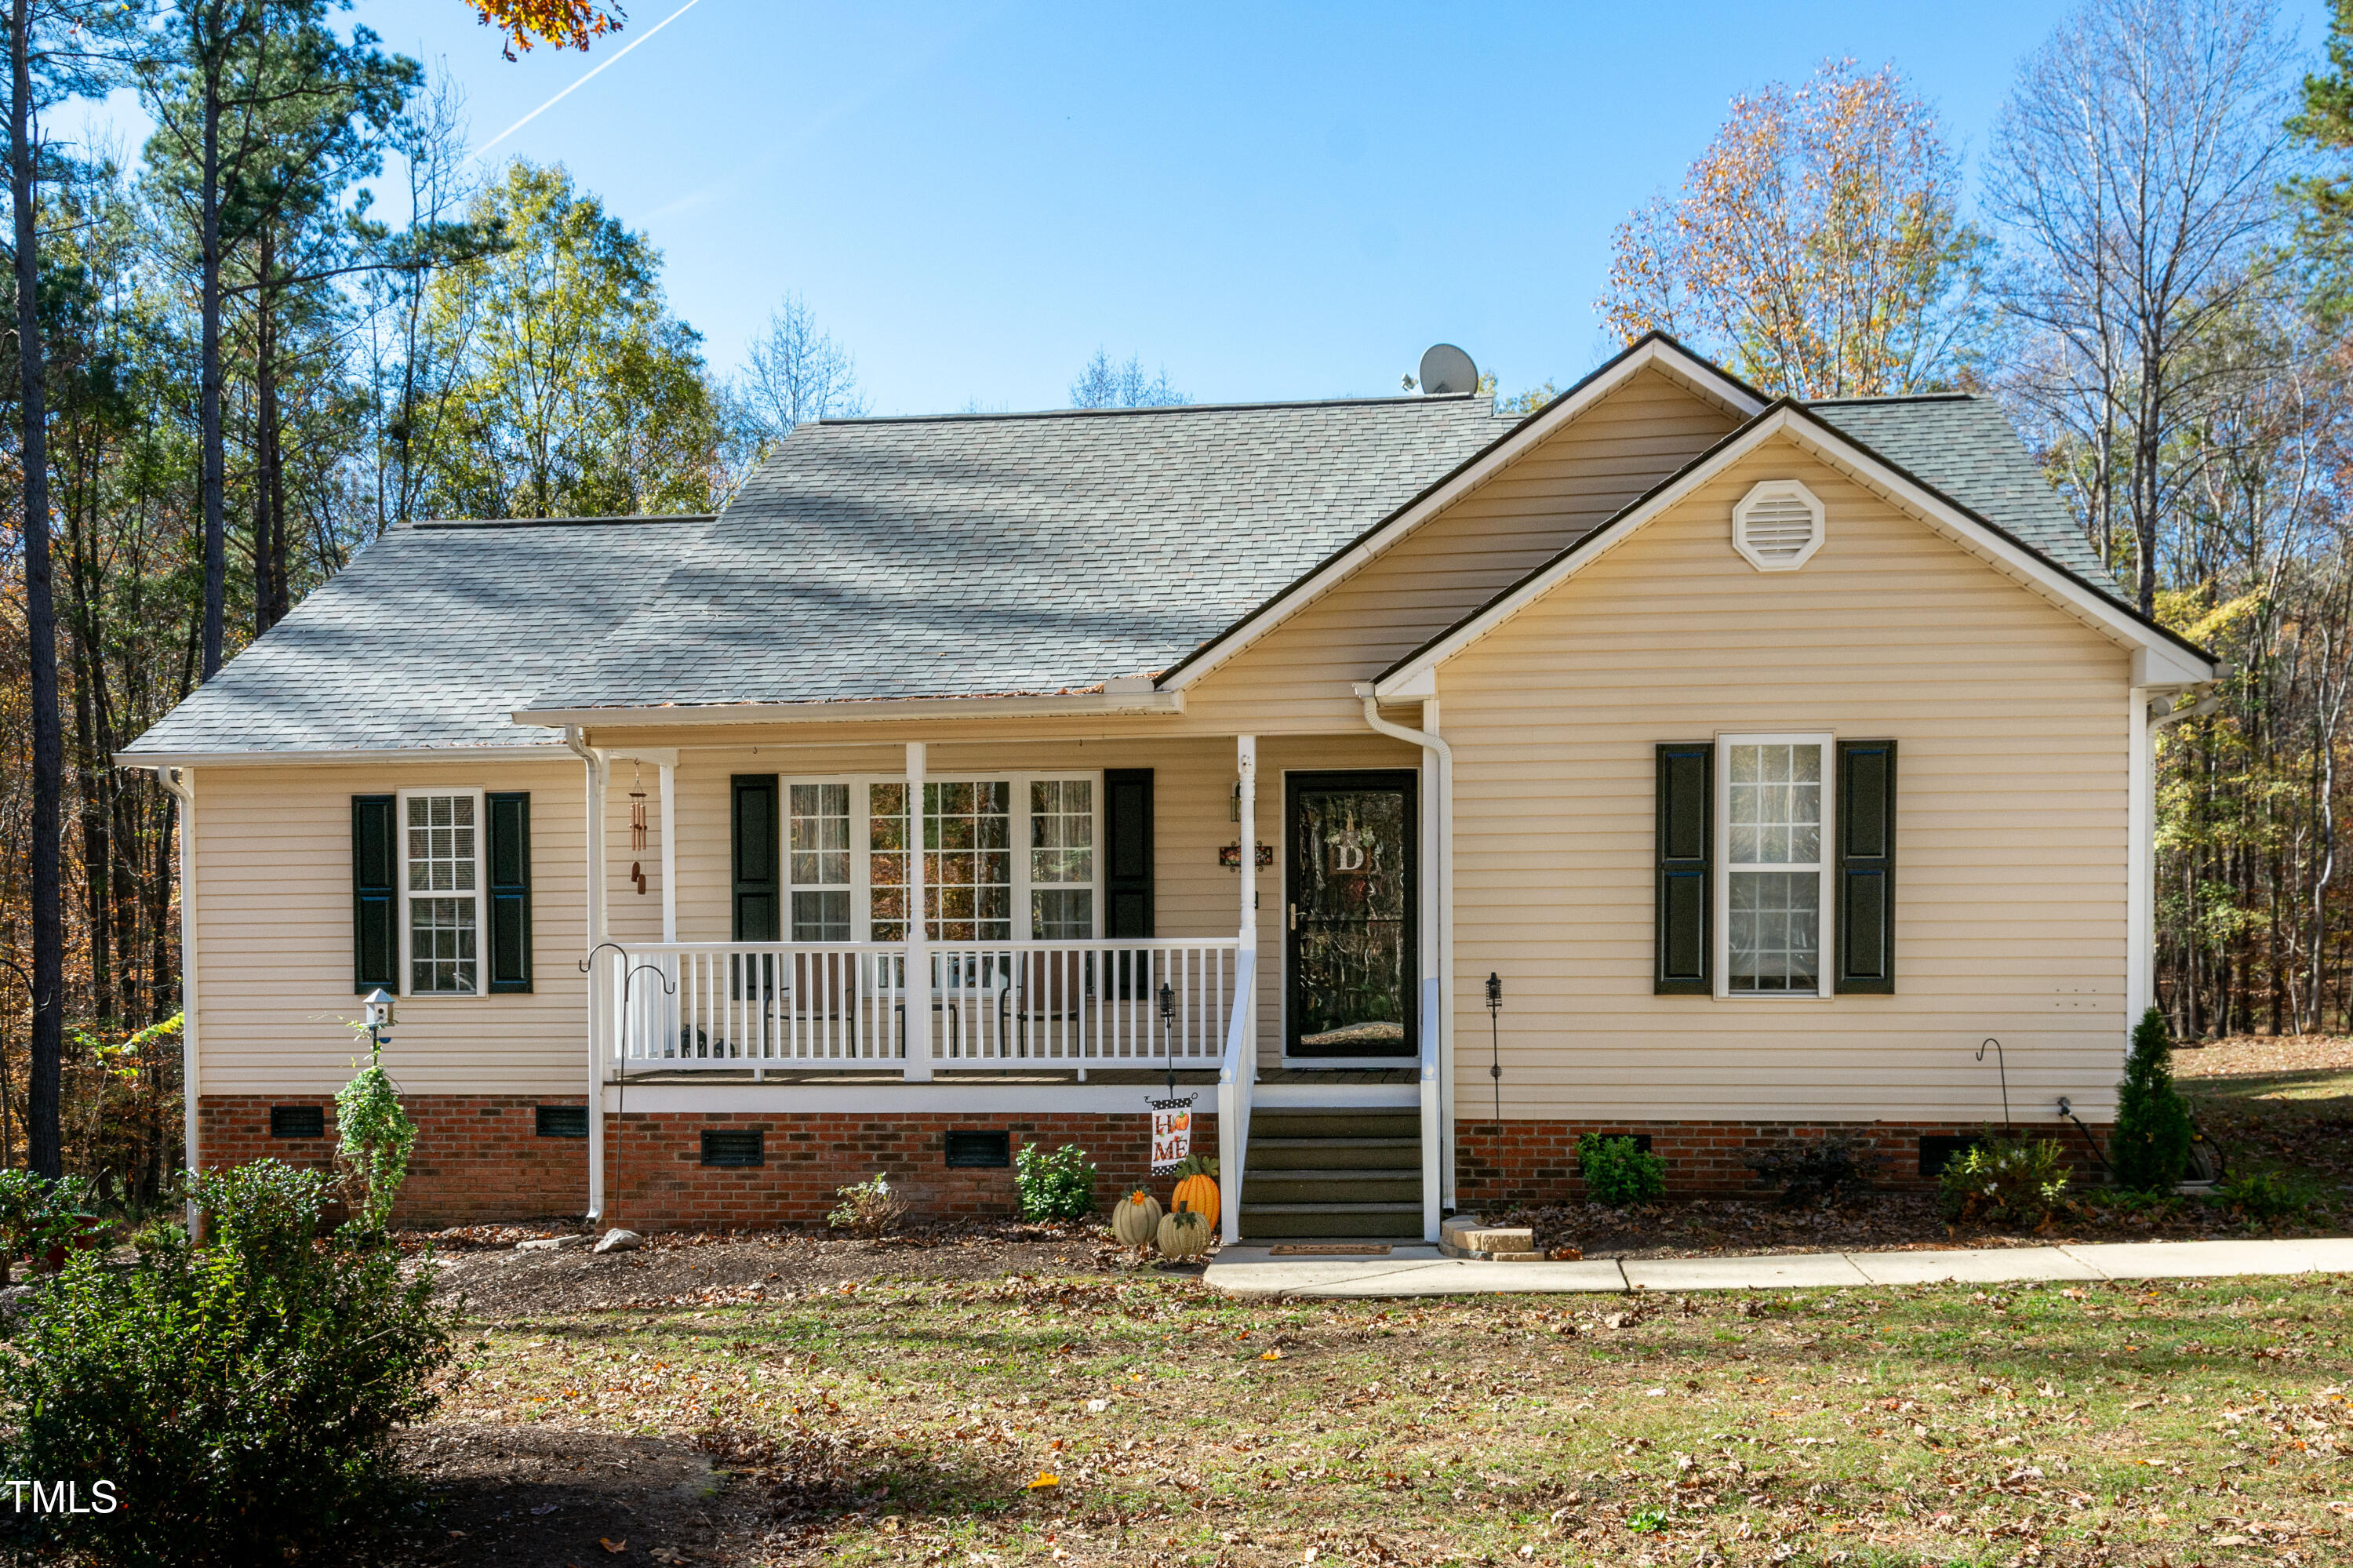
x=578 y=743
x=1438 y=1074
x=185 y=794
x=2144 y=820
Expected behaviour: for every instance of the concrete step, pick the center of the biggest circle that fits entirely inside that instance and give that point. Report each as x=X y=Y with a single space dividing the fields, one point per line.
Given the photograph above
x=1342 y=1186
x=1331 y=1222
x=1331 y=1153
x=1274 y=1121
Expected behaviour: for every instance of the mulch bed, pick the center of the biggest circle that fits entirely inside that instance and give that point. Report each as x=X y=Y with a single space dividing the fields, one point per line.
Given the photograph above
x=703 y=1269
x=2255 y=1128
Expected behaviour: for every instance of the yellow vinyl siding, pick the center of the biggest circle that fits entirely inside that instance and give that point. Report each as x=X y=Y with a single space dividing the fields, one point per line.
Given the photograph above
x=274 y=895
x=273 y=928
x=1298 y=675
x=2011 y=881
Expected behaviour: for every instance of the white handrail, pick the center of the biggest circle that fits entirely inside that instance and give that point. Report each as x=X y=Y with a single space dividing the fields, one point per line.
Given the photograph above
x=1236 y=1072
x=990 y=1004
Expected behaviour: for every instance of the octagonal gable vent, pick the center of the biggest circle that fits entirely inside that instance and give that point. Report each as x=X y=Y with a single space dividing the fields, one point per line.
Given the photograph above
x=1777 y=525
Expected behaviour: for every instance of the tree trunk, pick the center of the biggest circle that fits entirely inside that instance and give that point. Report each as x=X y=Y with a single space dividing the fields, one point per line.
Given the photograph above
x=208 y=381
x=47 y=1152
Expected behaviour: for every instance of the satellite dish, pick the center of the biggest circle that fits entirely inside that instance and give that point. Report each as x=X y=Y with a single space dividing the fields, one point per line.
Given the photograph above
x=1446 y=368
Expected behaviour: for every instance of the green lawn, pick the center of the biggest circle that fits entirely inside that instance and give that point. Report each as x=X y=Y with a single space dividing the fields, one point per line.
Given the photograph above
x=904 y=1421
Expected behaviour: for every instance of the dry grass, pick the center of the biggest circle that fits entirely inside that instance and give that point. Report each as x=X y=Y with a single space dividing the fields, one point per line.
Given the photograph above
x=905 y=1421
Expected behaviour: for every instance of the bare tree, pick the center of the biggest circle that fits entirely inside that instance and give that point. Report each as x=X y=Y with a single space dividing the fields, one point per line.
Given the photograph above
x=2136 y=169
x=796 y=373
x=1103 y=385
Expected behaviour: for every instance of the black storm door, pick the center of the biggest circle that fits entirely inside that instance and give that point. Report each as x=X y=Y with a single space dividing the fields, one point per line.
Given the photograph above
x=1349 y=911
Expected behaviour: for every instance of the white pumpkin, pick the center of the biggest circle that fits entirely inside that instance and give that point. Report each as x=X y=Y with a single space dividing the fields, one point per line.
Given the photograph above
x=1184 y=1234
x=1135 y=1219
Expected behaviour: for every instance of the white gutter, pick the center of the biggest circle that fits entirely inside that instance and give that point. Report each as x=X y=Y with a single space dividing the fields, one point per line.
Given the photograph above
x=1075 y=705
x=1437 y=1065
x=595 y=872
x=185 y=794
x=519 y=751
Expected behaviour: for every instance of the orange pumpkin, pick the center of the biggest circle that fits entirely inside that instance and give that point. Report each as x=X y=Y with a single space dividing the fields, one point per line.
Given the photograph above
x=1198 y=1193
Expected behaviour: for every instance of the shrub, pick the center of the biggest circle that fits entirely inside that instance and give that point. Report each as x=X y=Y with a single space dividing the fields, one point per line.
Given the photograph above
x=1057 y=1186
x=1619 y=1170
x=35 y=1214
x=869 y=1209
x=373 y=1138
x=241 y=1396
x=2150 y=1146
x=2004 y=1181
x=1815 y=1172
x=2268 y=1194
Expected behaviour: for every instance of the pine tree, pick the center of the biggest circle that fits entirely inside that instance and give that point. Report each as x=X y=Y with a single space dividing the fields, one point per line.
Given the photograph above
x=2150 y=1146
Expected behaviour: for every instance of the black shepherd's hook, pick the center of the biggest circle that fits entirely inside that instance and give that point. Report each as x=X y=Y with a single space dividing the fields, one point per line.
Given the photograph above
x=2003 y=1068
x=670 y=988
x=1495 y=1045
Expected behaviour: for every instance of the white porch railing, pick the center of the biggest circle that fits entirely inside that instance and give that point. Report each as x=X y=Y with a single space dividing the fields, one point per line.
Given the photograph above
x=732 y=1005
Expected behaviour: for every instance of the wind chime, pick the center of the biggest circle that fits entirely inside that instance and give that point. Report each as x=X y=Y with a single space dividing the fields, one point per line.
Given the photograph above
x=637 y=823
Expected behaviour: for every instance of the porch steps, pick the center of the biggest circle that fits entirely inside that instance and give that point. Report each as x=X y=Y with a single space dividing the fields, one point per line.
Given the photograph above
x=1333 y=1174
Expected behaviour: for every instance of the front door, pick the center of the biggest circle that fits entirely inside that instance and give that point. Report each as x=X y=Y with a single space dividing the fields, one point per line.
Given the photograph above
x=1349 y=908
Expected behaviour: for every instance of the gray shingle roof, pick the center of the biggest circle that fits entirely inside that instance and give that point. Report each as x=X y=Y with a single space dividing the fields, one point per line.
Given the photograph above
x=954 y=557
x=1965 y=447
x=967 y=556
x=432 y=638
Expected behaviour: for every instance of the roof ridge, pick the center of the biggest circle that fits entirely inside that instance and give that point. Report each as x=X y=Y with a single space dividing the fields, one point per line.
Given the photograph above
x=449 y=525
x=1895 y=397
x=976 y=415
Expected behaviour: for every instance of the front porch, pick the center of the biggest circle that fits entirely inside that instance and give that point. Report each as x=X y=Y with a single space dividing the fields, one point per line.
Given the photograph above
x=829 y=1000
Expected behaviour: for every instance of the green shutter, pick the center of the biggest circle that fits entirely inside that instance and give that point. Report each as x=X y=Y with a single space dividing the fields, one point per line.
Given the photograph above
x=1866 y=866
x=1127 y=852
x=375 y=895
x=1686 y=829
x=509 y=890
x=759 y=901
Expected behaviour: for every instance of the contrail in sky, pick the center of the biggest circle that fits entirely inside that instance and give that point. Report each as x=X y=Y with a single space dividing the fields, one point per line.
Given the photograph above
x=611 y=60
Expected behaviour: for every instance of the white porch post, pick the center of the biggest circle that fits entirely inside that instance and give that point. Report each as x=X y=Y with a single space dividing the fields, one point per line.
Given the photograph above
x=1246 y=766
x=1234 y=1096
x=670 y=851
x=917 y=989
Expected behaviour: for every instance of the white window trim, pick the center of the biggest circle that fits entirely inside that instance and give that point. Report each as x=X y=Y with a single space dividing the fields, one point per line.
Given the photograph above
x=408 y=990
x=1823 y=942
x=861 y=839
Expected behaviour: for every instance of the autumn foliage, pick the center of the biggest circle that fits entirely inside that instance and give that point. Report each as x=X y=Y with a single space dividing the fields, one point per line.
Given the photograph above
x=1816 y=246
x=566 y=24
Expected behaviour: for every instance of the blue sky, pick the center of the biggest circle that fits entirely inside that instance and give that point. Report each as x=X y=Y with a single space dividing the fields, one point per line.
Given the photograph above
x=1269 y=201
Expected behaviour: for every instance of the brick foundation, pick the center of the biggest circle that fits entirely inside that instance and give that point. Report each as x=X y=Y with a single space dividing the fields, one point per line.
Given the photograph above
x=479 y=1160
x=1536 y=1162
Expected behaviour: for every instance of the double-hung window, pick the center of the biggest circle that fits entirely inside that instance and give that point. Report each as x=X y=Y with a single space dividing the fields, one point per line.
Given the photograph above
x=1773 y=801
x=441 y=856
x=1004 y=858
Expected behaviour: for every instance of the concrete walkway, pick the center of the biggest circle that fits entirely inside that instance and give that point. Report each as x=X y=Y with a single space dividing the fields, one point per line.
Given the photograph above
x=1418 y=1270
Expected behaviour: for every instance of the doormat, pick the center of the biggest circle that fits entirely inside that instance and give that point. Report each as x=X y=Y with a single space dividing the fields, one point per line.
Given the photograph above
x=1328 y=1249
